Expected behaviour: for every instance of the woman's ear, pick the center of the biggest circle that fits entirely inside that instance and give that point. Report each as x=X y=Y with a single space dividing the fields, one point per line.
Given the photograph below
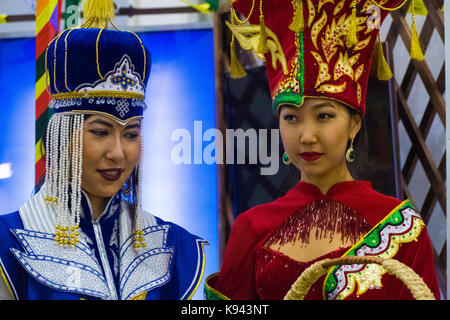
x=355 y=124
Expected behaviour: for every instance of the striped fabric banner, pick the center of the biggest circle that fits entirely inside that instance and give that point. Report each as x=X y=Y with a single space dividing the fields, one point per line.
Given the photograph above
x=48 y=14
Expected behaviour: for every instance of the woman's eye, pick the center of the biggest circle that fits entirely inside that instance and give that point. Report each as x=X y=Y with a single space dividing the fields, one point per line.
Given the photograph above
x=325 y=116
x=289 y=117
x=100 y=133
x=132 y=136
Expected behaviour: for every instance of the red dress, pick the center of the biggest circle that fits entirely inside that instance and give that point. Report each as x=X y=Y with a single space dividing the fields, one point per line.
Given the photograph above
x=253 y=271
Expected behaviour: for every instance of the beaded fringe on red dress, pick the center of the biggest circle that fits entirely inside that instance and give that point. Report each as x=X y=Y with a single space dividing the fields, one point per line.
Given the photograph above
x=327 y=217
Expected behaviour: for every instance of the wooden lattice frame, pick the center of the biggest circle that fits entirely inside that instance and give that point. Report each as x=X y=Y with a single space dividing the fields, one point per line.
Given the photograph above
x=436 y=195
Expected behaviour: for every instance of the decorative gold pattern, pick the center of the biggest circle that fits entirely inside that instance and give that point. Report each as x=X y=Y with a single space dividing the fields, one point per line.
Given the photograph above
x=96 y=94
x=334 y=37
x=359 y=72
x=359 y=93
x=332 y=88
x=291 y=81
x=249 y=36
x=322 y=2
x=311 y=13
x=324 y=75
x=362 y=44
x=96 y=53
x=143 y=52
x=317 y=27
x=344 y=66
x=339 y=7
x=336 y=32
x=54 y=62
x=65 y=59
x=370 y=276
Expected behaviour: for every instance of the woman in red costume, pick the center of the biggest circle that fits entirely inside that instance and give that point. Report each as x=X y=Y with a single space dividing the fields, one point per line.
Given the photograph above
x=318 y=56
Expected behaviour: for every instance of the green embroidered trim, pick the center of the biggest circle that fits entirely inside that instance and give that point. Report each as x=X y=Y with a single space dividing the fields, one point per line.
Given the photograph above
x=289 y=97
x=210 y=292
x=402 y=225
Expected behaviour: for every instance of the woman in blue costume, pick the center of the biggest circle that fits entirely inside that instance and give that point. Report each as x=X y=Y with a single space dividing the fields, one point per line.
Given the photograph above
x=84 y=234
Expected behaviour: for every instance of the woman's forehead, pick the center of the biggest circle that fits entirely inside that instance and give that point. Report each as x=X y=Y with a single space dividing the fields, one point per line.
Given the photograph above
x=102 y=119
x=311 y=104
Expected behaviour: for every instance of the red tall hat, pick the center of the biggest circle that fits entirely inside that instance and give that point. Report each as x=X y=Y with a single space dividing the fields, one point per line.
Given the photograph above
x=313 y=48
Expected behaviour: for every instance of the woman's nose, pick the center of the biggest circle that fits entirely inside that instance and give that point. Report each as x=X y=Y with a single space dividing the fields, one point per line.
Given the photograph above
x=115 y=149
x=307 y=134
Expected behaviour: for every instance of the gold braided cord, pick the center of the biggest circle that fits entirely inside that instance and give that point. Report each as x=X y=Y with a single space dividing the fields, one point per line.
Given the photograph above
x=236 y=18
x=96 y=53
x=143 y=52
x=389 y=9
x=114 y=26
x=65 y=59
x=47 y=84
x=98 y=94
x=54 y=62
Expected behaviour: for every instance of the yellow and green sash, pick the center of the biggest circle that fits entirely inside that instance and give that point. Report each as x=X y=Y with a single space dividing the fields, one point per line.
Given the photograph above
x=401 y=225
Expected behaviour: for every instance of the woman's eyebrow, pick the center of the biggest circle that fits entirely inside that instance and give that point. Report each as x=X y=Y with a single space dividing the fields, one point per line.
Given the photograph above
x=323 y=105
x=132 y=126
x=102 y=122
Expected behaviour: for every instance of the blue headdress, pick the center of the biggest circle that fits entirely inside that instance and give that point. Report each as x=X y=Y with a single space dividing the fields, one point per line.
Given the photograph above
x=96 y=70
x=91 y=70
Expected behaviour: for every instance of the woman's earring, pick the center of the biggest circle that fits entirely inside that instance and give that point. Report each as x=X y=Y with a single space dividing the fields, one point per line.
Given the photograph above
x=350 y=154
x=126 y=188
x=286 y=159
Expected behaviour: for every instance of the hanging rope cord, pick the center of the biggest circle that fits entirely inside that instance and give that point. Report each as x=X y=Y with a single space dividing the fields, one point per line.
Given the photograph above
x=389 y=9
x=236 y=18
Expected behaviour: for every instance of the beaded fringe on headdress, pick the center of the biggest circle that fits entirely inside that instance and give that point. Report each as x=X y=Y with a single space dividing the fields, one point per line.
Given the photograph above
x=327 y=217
x=64 y=148
x=64 y=162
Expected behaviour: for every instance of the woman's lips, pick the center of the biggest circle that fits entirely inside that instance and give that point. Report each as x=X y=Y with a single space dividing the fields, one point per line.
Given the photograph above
x=111 y=174
x=311 y=156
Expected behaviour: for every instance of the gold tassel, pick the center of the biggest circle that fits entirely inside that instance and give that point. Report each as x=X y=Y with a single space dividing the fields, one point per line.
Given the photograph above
x=298 y=21
x=262 y=45
x=383 y=70
x=416 y=50
x=237 y=71
x=97 y=13
x=352 y=38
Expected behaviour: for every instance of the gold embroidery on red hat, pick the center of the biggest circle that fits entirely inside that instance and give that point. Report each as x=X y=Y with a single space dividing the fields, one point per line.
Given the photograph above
x=333 y=88
x=311 y=13
x=323 y=69
x=317 y=27
x=339 y=7
x=291 y=81
x=344 y=66
x=358 y=93
x=362 y=44
x=359 y=72
x=322 y=2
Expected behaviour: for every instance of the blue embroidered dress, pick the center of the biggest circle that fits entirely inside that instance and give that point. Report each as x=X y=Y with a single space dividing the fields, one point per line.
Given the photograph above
x=104 y=264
